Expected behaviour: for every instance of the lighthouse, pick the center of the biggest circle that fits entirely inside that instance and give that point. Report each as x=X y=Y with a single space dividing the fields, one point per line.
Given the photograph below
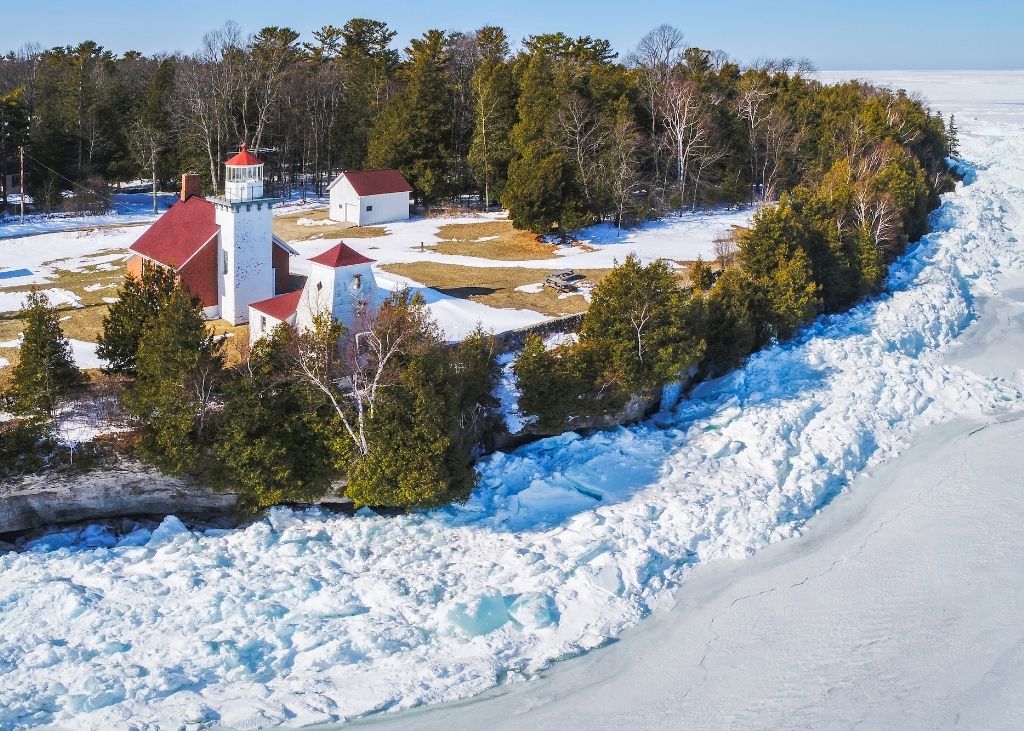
x=245 y=218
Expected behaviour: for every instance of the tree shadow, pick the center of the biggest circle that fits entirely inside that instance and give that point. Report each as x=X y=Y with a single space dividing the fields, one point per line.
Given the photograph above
x=465 y=292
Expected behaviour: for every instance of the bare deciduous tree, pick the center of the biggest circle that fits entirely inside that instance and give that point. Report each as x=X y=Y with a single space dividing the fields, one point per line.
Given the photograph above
x=582 y=137
x=145 y=144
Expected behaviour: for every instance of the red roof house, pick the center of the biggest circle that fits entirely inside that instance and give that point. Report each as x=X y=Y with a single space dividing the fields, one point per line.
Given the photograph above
x=187 y=239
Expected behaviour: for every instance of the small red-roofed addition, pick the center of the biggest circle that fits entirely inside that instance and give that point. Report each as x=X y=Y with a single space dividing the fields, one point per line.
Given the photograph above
x=281 y=307
x=341 y=255
x=244 y=158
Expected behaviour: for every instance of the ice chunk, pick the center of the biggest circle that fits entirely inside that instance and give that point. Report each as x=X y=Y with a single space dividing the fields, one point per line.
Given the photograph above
x=168 y=529
x=481 y=615
x=534 y=610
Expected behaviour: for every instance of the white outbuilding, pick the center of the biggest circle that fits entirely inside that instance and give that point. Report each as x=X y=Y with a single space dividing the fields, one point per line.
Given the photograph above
x=370 y=197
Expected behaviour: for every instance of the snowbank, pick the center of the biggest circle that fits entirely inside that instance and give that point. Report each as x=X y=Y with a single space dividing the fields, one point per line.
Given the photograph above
x=305 y=617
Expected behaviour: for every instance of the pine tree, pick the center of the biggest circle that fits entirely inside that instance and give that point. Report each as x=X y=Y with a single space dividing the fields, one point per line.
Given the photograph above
x=138 y=302
x=178 y=368
x=494 y=100
x=413 y=132
x=14 y=126
x=45 y=371
x=952 y=138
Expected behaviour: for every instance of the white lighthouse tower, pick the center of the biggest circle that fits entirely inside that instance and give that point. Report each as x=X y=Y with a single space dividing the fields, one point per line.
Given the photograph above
x=244 y=261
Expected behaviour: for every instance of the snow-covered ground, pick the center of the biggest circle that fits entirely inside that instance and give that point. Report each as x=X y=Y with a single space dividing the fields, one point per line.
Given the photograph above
x=128 y=208
x=34 y=253
x=681 y=237
x=306 y=617
x=898 y=606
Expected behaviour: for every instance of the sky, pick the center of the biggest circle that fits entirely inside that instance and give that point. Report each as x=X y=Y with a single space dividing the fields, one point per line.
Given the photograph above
x=833 y=34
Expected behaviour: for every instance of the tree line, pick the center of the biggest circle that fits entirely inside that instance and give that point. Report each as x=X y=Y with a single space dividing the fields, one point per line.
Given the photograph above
x=822 y=248
x=560 y=131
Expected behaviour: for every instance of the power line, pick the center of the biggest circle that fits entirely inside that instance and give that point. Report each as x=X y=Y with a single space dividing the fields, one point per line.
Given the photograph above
x=109 y=201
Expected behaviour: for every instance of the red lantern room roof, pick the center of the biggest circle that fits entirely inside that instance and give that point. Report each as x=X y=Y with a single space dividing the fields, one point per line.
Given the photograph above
x=244 y=158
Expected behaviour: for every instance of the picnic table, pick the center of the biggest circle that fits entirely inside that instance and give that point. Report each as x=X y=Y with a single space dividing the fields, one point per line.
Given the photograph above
x=563 y=281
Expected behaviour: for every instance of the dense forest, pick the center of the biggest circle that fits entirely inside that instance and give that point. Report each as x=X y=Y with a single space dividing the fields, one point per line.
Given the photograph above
x=560 y=131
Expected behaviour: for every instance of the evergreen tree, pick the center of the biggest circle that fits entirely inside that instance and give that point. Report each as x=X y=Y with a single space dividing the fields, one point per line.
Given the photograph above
x=46 y=371
x=793 y=295
x=636 y=322
x=870 y=262
x=367 y=66
x=413 y=132
x=271 y=446
x=952 y=138
x=770 y=241
x=533 y=193
x=494 y=100
x=178 y=369
x=727 y=323
x=138 y=302
x=419 y=445
x=409 y=462
x=701 y=275
x=13 y=134
x=554 y=385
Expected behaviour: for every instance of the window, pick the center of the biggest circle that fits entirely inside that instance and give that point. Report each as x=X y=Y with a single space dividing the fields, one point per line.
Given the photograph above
x=357 y=281
x=263 y=323
x=319 y=286
x=369 y=208
x=225 y=255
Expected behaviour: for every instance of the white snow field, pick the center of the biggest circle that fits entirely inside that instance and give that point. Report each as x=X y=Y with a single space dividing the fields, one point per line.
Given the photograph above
x=305 y=617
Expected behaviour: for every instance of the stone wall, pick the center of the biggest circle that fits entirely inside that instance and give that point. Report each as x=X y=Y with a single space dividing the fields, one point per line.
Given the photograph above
x=514 y=339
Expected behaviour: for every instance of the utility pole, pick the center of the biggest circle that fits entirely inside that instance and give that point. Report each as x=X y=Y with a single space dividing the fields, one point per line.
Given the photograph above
x=21 y=180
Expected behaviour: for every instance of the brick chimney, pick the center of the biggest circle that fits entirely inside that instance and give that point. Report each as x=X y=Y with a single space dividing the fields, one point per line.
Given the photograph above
x=190 y=185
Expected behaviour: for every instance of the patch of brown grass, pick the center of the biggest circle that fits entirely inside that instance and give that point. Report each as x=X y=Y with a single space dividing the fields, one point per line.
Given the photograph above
x=287 y=228
x=495 y=286
x=79 y=323
x=503 y=242
x=235 y=343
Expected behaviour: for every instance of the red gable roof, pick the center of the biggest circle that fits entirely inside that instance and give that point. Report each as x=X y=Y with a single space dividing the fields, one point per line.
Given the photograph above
x=377 y=182
x=281 y=307
x=341 y=255
x=177 y=235
x=244 y=158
